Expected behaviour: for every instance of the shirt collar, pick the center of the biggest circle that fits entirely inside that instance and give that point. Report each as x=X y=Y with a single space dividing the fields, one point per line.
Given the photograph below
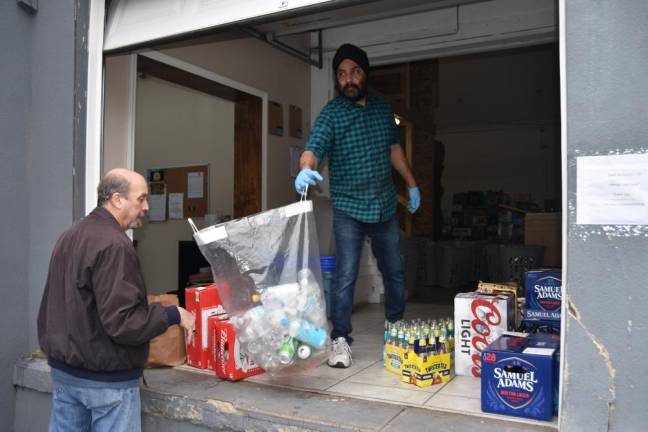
x=105 y=214
x=351 y=105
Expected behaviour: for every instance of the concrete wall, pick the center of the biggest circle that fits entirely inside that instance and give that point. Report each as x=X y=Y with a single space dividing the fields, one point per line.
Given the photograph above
x=36 y=130
x=498 y=117
x=178 y=126
x=15 y=106
x=605 y=340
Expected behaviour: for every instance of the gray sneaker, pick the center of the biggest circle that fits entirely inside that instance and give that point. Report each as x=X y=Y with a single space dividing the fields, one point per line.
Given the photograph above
x=340 y=354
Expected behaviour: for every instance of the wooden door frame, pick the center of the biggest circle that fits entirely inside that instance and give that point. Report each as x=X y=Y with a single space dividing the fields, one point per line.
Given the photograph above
x=198 y=78
x=407 y=149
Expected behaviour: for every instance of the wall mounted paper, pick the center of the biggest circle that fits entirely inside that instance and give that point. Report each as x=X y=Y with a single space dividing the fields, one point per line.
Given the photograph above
x=176 y=206
x=612 y=190
x=195 y=185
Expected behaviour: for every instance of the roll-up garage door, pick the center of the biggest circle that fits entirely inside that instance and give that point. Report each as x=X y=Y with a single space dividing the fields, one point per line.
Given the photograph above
x=132 y=23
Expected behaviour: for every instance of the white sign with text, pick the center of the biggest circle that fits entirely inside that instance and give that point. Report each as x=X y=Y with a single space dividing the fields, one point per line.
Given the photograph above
x=612 y=190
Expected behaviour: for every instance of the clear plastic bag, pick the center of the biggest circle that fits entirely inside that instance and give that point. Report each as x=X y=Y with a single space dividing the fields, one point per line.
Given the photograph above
x=266 y=268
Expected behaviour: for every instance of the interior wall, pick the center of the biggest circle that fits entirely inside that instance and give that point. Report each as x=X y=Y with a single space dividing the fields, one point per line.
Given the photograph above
x=285 y=79
x=178 y=126
x=498 y=118
x=117 y=112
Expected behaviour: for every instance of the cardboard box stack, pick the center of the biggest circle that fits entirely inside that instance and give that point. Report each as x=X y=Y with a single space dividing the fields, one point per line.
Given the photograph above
x=420 y=352
x=215 y=345
x=479 y=320
x=520 y=376
x=543 y=301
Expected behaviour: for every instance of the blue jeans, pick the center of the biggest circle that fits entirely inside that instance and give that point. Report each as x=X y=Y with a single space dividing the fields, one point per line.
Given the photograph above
x=86 y=405
x=385 y=245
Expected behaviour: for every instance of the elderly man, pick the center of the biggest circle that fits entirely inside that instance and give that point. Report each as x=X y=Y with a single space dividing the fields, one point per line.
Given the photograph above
x=358 y=134
x=94 y=322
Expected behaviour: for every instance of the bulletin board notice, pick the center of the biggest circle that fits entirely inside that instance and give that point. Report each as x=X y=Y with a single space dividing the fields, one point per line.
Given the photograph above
x=186 y=190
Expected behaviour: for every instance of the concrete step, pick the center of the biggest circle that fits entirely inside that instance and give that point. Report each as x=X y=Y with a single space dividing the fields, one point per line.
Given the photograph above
x=175 y=399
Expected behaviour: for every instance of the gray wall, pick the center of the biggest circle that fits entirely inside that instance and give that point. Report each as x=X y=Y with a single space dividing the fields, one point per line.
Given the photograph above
x=607 y=112
x=15 y=38
x=36 y=112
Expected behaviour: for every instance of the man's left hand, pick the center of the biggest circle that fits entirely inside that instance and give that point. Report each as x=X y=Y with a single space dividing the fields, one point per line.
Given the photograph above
x=188 y=322
x=414 y=199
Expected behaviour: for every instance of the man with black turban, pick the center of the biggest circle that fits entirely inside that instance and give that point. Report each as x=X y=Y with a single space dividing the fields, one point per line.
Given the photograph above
x=358 y=134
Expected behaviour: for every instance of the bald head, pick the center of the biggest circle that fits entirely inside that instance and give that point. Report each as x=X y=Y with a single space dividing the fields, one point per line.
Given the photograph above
x=124 y=194
x=117 y=180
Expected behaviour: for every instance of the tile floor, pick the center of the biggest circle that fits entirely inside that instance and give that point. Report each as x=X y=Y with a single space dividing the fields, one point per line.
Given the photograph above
x=367 y=378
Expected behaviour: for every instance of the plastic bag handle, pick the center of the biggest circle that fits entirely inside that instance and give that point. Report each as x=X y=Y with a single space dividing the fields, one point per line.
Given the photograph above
x=193 y=226
x=304 y=194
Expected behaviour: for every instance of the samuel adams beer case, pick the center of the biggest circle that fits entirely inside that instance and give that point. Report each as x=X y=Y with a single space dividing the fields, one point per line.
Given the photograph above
x=520 y=375
x=543 y=295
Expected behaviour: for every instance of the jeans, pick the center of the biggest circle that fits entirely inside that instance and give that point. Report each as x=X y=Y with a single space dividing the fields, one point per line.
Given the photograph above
x=86 y=405
x=385 y=245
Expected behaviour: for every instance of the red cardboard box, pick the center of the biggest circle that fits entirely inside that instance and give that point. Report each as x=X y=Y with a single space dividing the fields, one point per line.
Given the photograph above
x=202 y=302
x=226 y=357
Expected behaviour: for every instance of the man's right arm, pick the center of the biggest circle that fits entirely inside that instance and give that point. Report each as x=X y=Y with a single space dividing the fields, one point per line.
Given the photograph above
x=319 y=142
x=308 y=160
x=120 y=302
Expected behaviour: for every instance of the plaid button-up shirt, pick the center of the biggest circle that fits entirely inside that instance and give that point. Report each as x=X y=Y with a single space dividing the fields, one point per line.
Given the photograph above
x=357 y=141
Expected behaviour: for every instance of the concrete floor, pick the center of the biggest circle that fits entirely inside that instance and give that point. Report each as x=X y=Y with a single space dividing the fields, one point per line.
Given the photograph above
x=367 y=378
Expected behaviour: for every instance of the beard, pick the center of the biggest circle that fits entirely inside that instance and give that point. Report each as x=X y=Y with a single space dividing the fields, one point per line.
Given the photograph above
x=137 y=223
x=352 y=92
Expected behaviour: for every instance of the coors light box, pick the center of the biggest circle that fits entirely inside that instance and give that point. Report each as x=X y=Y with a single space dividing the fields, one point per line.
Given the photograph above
x=479 y=320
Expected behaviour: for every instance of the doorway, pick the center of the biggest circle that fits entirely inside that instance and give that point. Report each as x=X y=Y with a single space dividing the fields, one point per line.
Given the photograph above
x=184 y=117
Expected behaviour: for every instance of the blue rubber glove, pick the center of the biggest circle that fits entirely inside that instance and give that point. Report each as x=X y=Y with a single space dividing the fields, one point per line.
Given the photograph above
x=306 y=177
x=414 y=199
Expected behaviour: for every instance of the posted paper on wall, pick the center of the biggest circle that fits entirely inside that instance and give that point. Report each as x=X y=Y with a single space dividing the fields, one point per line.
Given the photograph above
x=157 y=207
x=176 y=205
x=195 y=185
x=612 y=190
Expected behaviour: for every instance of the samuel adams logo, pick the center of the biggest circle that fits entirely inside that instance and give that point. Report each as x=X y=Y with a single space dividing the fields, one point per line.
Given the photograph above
x=515 y=383
x=547 y=291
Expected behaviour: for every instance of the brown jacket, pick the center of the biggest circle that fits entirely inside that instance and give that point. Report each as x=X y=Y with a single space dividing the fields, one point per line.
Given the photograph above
x=94 y=320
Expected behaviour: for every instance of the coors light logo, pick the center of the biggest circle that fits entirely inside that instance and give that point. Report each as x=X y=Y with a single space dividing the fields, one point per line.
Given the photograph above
x=485 y=317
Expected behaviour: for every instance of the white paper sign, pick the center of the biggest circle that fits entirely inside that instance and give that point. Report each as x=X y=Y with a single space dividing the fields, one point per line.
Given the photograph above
x=195 y=185
x=157 y=208
x=175 y=205
x=612 y=190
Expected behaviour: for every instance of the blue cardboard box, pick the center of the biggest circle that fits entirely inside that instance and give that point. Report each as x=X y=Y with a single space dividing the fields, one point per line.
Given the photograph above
x=539 y=326
x=520 y=376
x=543 y=294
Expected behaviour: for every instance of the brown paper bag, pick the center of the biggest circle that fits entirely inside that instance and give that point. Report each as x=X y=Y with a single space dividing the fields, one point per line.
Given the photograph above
x=168 y=349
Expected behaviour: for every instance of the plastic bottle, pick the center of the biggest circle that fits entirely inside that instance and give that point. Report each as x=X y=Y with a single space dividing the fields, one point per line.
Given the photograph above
x=308 y=333
x=306 y=280
x=285 y=293
x=249 y=325
x=314 y=309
